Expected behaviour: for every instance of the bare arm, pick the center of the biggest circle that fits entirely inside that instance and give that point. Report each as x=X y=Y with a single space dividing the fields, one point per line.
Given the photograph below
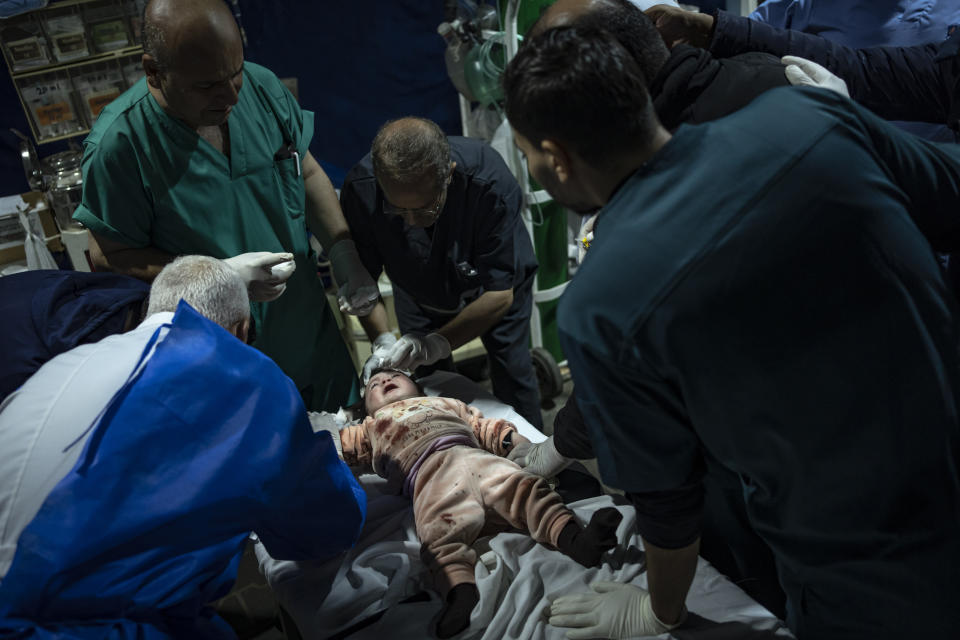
x=322 y=209
x=114 y=257
x=376 y=322
x=477 y=317
x=669 y=576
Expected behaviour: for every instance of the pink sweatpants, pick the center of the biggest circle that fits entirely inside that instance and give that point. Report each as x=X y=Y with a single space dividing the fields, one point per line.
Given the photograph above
x=462 y=493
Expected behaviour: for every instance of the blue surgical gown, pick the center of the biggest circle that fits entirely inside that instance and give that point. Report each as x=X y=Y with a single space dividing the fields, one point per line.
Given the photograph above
x=204 y=444
x=864 y=23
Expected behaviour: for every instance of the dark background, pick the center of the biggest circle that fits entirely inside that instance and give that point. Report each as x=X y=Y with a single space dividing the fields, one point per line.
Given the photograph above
x=358 y=63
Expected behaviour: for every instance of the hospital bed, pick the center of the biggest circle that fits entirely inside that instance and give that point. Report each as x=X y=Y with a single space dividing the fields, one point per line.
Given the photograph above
x=378 y=590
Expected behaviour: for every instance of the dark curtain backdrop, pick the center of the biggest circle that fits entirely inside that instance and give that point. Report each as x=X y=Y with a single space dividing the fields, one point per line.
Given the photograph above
x=358 y=64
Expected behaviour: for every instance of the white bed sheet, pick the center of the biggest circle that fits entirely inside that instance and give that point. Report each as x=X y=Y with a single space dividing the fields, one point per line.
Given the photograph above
x=516 y=576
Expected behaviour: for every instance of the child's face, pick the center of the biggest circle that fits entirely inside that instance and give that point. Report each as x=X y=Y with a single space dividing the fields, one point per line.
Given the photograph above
x=386 y=387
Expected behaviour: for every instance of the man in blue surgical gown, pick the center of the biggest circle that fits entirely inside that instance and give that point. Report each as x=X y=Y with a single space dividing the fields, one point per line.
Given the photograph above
x=135 y=467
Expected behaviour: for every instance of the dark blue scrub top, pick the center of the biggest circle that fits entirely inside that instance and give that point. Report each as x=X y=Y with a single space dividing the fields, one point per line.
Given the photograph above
x=44 y=313
x=477 y=244
x=762 y=290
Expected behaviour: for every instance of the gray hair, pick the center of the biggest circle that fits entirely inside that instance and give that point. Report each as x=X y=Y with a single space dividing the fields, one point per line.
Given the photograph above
x=154 y=39
x=208 y=285
x=407 y=151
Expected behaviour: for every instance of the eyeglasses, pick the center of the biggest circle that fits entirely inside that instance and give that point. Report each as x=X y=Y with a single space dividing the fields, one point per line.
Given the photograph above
x=428 y=213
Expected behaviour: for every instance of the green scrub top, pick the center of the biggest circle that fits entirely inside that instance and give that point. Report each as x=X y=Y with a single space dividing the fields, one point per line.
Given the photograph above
x=150 y=180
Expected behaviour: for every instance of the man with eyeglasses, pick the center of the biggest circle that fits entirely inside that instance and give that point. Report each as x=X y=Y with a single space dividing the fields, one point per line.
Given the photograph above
x=441 y=215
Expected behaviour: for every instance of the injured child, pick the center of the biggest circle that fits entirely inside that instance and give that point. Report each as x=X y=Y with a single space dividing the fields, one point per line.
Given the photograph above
x=449 y=459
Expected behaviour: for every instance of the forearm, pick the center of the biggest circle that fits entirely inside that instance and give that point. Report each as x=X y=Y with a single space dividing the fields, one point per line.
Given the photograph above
x=894 y=82
x=142 y=263
x=477 y=317
x=375 y=323
x=733 y=35
x=322 y=208
x=669 y=576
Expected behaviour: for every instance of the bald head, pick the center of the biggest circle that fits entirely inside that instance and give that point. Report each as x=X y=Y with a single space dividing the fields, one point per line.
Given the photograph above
x=193 y=59
x=563 y=13
x=178 y=32
x=411 y=152
x=622 y=19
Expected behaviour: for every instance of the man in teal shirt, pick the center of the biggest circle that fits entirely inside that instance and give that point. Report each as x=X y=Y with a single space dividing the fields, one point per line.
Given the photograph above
x=210 y=155
x=761 y=295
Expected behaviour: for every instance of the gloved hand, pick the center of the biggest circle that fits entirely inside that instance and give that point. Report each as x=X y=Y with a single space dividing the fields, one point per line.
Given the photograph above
x=331 y=423
x=679 y=26
x=265 y=273
x=378 y=351
x=411 y=351
x=615 y=610
x=541 y=458
x=807 y=72
x=357 y=292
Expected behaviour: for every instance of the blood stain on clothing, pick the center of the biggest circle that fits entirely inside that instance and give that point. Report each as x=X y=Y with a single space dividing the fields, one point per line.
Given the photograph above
x=399 y=433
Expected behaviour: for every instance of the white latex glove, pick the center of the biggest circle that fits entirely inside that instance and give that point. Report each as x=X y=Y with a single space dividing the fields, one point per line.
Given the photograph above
x=541 y=458
x=265 y=273
x=378 y=351
x=411 y=351
x=357 y=292
x=615 y=610
x=807 y=72
x=331 y=423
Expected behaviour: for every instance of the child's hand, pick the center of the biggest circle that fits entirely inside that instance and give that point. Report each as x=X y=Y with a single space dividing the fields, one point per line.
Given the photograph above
x=542 y=458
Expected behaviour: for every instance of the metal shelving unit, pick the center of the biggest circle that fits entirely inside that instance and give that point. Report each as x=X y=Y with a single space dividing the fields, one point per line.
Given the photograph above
x=69 y=60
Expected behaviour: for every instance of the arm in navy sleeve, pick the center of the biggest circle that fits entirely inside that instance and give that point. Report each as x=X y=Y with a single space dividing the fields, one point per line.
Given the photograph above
x=644 y=441
x=570 y=435
x=897 y=83
x=927 y=172
x=357 y=200
x=670 y=519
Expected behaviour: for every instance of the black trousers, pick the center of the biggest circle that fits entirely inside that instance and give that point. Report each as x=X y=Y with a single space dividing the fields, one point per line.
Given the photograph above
x=507 y=344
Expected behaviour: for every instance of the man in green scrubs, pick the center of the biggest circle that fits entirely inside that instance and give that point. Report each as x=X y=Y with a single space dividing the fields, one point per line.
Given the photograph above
x=210 y=155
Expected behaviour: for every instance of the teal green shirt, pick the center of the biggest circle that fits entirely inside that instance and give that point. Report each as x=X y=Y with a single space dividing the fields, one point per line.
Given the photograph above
x=151 y=181
x=762 y=296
